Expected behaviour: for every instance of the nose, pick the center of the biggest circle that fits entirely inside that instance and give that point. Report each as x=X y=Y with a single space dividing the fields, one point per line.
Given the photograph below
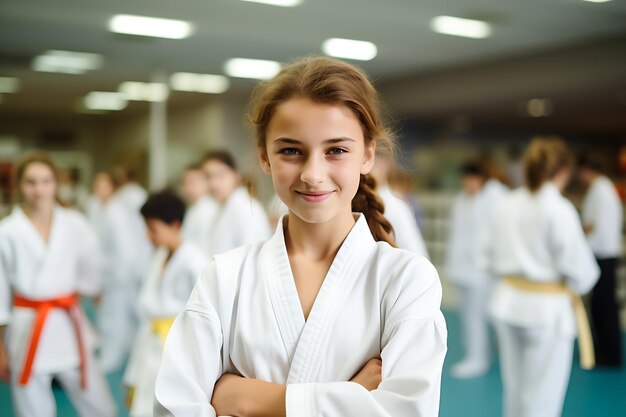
x=313 y=170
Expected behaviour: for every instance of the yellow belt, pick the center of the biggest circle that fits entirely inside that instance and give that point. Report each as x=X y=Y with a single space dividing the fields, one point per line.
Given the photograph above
x=585 y=340
x=162 y=326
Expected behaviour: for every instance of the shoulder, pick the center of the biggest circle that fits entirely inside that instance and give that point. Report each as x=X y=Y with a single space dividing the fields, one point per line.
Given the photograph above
x=402 y=269
x=73 y=217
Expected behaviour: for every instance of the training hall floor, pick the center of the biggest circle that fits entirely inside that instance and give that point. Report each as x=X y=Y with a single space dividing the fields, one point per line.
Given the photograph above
x=600 y=393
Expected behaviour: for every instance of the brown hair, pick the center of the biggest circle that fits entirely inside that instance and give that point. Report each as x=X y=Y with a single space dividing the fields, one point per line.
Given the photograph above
x=329 y=81
x=39 y=157
x=222 y=156
x=544 y=158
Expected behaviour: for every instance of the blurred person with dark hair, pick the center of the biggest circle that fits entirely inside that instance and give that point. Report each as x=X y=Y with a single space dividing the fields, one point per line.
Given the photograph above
x=71 y=193
x=403 y=183
x=405 y=230
x=468 y=220
x=240 y=218
x=201 y=209
x=535 y=243
x=602 y=215
x=175 y=267
x=127 y=253
x=48 y=260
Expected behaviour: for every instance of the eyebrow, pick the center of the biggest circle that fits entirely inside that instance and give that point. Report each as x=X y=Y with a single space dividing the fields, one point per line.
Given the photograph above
x=327 y=141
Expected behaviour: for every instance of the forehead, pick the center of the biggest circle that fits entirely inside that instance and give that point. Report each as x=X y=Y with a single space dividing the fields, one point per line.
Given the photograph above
x=305 y=120
x=38 y=169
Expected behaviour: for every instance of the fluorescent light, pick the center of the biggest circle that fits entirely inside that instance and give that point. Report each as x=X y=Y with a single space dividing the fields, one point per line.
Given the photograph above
x=150 y=26
x=138 y=91
x=199 y=83
x=104 y=100
x=456 y=26
x=350 y=49
x=281 y=3
x=251 y=68
x=67 y=62
x=9 y=85
x=597 y=1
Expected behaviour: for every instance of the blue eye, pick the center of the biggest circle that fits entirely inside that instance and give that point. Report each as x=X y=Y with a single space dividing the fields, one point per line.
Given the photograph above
x=337 y=151
x=289 y=151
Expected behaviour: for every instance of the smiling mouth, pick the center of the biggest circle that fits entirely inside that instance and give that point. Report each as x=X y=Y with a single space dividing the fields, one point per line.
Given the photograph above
x=315 y=196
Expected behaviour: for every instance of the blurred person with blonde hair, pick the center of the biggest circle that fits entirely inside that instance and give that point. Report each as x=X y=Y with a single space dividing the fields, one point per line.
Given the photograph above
x=49 y=258
x=406 y=233
x=240 y=219
x=535 y=243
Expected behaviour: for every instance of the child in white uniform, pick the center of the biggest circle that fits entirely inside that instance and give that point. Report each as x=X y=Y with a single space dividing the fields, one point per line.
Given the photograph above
x=239 y=218
x=468 y=220
x=48 y=259
x=166 y=288
x=326 y=317
x=201 y=208
x=537 y=246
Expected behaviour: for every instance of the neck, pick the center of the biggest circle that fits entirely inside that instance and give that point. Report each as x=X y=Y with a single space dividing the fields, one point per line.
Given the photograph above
x=41 y=212
x=317 y=241
x=174 y=245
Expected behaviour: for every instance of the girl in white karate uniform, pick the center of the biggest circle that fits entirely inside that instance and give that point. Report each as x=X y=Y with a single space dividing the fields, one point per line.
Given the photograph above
x=239 y=219
x=536 y=244
x=175 y=267
x=326 y=317
x=201 y=208
x=48 y=258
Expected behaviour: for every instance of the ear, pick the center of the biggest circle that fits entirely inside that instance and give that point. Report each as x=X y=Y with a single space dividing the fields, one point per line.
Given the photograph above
x=369 y=158
x=264 y=161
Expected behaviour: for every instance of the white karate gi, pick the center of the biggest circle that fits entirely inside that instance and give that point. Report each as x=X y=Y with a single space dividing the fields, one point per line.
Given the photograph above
x=468 y=222
x=197 y=223
x=603 y=209
x=164 y=294
x=537 y=236
x=127 y=254
x=239 y=221
x=244 y=316
x=407 y=233
x=30 y=267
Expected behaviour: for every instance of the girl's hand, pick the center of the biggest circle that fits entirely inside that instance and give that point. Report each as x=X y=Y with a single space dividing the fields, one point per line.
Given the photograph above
x=5 y=371
x=371 y=375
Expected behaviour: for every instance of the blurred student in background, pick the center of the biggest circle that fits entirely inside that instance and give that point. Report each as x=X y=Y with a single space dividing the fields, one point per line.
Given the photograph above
x=468 y=219
x=406 y=232
x=602 y=215
x=127 y=251
x=48 y=258
x=536 y=245
x=102 y=191
x=176 y=266
x=240 y=218
x=201 y=208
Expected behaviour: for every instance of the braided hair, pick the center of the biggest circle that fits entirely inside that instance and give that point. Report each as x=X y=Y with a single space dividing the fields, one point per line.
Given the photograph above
x=330 y=81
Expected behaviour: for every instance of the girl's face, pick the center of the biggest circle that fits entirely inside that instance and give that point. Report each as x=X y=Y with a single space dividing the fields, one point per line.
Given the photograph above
x=221 y=179
x=316 y=153
x=194 y=185
x=38 y=185
x=103 y=186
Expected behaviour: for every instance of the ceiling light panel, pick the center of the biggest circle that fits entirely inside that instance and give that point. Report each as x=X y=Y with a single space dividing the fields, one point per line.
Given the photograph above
x=280 y=3
x=251 y=68
x=199 y=83
x=150 y=26
x=456 y=26
x=350 y=49
x=138 y=91
x=104 y=100
x=67 y=62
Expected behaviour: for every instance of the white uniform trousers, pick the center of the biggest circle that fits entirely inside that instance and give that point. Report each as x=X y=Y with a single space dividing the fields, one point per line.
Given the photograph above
x=535 y=364
x=474 y=323
x=37 y=399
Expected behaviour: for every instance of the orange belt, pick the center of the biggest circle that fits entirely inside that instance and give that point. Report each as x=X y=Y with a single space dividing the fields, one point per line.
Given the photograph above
x=69 y=303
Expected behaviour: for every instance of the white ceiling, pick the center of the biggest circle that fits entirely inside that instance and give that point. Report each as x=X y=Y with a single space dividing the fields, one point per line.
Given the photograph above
x=231 y=28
